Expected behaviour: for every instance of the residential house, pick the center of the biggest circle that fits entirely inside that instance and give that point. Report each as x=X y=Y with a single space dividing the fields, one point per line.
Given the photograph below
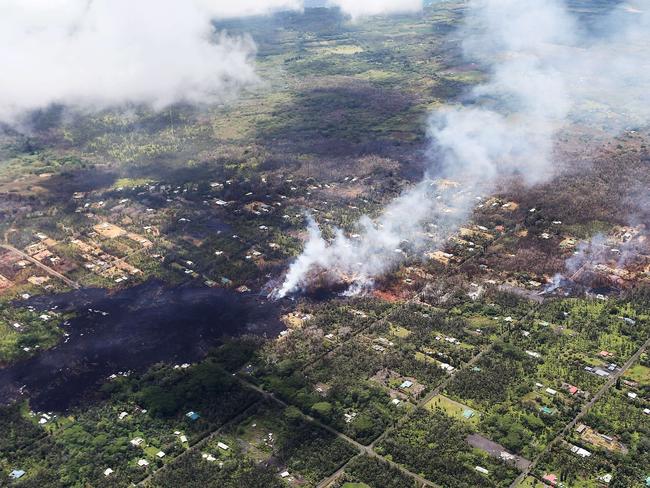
x=192 y=416
x=17 y=474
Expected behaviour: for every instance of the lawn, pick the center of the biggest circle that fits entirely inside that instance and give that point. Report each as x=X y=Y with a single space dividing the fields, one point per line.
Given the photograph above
x=530 y=482
x=454 y=409
x=255 y=433
x=342 y=49
x=131 y=182
x=399 y=331
x=8 y=342
x=420 y=356
x=640 y=374
x=481 y=321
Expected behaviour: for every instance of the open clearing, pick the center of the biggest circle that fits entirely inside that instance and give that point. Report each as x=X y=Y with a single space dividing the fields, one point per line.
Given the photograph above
x=454 y=409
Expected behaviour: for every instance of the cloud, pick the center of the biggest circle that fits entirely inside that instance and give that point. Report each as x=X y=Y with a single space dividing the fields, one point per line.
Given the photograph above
x=241 y=8
x=364 y=8
x=100 y=53
x=94 y=54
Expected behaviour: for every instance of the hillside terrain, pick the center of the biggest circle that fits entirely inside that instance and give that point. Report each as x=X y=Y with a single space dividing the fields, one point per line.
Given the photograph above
x=142 y=341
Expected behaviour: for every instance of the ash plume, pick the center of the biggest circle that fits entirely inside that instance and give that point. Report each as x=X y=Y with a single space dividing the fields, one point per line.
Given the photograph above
x=545 y=72
x=93 y=54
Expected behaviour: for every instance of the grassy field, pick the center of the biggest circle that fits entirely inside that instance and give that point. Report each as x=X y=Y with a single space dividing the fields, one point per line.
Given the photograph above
x=454 y=409
x=8 y=340
x=399 y=331
x=640 y=374
x=530 y=482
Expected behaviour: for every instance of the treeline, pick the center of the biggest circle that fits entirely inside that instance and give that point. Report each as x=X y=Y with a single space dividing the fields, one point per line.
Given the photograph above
x=192 y=471
x=434 y=445
x=375 y=473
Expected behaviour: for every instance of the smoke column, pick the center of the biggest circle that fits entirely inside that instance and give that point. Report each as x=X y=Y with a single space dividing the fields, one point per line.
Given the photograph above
x=544 y=70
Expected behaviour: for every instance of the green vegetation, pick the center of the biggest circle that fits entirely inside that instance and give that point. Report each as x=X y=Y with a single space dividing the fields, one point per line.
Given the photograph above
x=453 y=409
x=195 y=472
x=215 y=198
x=434 y=444
x=24 y=332
x=307 y=451
x=366 y=471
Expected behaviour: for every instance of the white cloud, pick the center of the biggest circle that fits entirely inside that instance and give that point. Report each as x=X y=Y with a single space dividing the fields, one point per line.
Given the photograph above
x=240 y=8
x=101 y=53
x=363 y=8
x=93 y=54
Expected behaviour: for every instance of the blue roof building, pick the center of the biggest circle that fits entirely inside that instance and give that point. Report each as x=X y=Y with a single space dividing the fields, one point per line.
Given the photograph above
x=192 y=415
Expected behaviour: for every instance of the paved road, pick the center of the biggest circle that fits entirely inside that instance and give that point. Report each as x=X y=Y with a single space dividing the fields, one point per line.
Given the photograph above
x=44 y=267
x=436 y=391
x=414 y=299
x=443 y=385
x=362 y=449
x=370 y=449
x=237 y=418
x=367 y=450
x=335 y=475
x=568 y=427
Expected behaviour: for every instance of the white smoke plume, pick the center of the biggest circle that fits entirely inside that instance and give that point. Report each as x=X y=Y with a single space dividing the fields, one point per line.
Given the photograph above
x=364 y=8
x=101 y=53
x=616 y=251
x=381 y=243
x=593 y=251
x=545 y=72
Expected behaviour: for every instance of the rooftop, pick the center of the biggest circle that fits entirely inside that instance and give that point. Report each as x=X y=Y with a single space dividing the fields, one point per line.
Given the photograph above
x=192 y=415
x=17 y=473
